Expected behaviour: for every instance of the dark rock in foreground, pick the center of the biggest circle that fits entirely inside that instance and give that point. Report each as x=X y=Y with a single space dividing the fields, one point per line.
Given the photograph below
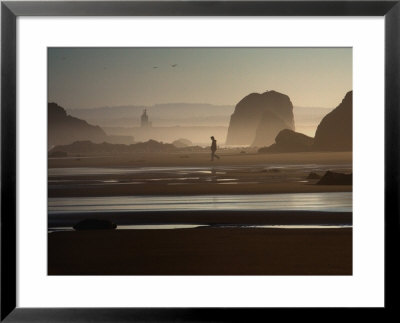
x=94 y=224
x=331 y=178
x=289 y=141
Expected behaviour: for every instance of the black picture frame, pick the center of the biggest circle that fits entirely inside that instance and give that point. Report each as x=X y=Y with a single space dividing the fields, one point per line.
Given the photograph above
x=11 y=10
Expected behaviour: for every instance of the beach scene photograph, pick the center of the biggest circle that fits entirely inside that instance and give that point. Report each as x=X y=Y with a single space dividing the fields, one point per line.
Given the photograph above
x=200 y=161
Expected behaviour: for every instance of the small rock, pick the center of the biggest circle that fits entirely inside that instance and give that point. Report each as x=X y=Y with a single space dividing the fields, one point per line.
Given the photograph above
x=331 y=178
x=313 y=175
x=94 y=224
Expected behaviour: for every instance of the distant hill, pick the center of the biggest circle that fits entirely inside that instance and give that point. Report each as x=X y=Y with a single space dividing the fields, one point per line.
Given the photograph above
x=169 y=114
x=198 y=135
x=194 y=121
x=65 y=129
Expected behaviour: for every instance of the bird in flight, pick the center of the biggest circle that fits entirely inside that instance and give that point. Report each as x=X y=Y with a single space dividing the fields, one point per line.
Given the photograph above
x=174 y=65
x=155 y=66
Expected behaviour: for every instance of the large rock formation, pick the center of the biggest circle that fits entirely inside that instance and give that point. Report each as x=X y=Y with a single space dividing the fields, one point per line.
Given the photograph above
x=289 y=141
x=269 y=126
x=64 y=129
x=258 y=118
x=335 y=132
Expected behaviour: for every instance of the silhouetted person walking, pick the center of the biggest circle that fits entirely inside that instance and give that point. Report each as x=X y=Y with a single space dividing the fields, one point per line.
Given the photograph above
x=213 y=148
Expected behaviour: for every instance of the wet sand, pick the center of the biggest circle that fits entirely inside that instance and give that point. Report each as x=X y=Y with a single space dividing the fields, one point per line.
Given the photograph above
x=233 y=174
x=228 y=157
x=210 y=250
x=201 y=251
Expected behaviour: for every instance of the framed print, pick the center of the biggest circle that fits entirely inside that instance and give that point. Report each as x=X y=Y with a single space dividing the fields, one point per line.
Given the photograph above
x=197 y=161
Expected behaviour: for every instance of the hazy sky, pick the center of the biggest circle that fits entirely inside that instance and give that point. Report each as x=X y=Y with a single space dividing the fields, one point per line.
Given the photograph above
x=95 y=77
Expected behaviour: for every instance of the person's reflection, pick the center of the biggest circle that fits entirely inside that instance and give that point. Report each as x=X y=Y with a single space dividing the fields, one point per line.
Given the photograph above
x=213 y=175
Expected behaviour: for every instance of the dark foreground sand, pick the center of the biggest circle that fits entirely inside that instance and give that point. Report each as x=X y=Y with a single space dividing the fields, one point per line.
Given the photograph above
x=201 y=251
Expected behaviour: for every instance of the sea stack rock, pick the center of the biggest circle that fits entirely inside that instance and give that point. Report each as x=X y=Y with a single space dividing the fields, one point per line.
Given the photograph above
x=335 y=132
x=258 y=118
x=288 y=141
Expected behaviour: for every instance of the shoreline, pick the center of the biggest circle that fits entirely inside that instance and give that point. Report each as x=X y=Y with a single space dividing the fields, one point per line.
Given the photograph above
x=207 y=217
x=194 y=189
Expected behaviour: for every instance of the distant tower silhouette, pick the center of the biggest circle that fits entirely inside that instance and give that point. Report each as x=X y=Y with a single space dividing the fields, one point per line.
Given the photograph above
x=144 y=120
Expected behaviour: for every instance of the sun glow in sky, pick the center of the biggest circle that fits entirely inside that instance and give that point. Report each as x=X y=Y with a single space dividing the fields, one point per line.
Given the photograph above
x=96 y=77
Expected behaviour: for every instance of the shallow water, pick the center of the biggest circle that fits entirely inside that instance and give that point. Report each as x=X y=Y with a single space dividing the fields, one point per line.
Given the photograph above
x=74 y=171
x=326 y=202
x=142 y=227
x=94 y=178
x=194 y=226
